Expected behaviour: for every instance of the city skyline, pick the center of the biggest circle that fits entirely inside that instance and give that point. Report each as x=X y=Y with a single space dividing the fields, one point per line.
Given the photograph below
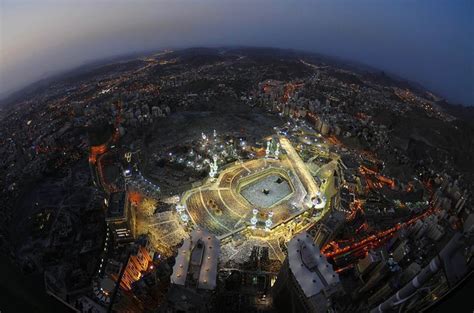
x=427 y=42
x=203 y=174
x=216 y=156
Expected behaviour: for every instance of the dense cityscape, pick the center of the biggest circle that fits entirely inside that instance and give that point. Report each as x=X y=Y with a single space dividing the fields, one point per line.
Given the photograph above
x=234 y=180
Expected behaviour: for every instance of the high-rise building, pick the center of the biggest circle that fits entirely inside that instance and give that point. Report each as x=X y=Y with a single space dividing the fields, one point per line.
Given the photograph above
x=121 y=217
x=306 y=281
x=195 y=273
x=137 y=263
x=196 y=262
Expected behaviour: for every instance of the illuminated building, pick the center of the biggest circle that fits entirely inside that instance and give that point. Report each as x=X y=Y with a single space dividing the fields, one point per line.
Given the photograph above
x=196 y=262
x=306 y=280
x=137 y=264
x=121 y=217
x=195 y=272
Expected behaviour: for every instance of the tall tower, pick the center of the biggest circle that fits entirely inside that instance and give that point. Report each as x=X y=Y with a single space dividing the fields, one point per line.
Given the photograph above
x=306 y=281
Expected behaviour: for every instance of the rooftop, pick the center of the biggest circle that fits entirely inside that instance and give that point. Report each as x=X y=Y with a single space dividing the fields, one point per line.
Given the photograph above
x=116 y=205
x=310 y=268
x=196 y=262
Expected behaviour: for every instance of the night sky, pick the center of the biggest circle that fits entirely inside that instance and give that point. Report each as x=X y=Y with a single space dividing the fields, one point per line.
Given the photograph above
x=427 y=41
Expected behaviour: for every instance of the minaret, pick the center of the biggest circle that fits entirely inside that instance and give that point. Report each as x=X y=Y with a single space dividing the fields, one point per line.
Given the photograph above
x=277 y=151
x=268 y=222
x=213 y=166
x=254 y=220
x=267 y=152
